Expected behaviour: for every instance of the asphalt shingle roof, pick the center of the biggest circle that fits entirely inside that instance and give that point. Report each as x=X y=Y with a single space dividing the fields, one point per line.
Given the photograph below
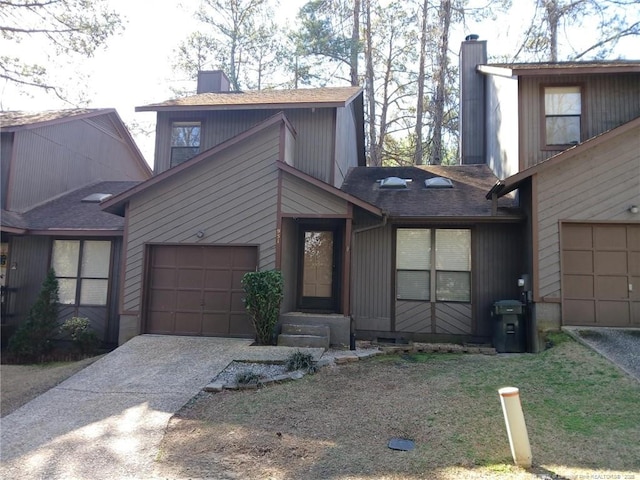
x=328 y=96
x=69 y=212
x=466 y=199
x=20 y=118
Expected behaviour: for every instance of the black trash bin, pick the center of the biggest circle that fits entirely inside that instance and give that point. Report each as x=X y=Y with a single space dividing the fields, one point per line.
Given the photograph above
x=509 y=333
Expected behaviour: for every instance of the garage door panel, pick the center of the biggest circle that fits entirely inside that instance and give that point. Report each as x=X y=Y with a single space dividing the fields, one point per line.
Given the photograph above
x=219 y=279
x=577 y=261
x=579 y=312
x=610 y=237
x=162 y=300
x=579 y=286
x=189 y=300
x=221 y=257
x=188 y=323
x=634 y=263
x=611 y=263
x=577 y=237
x=218 y=301
x=202 y=284
x=163 y=277
x=613 y=313
x=609 y=287
x=190 y=278
x=161 y=323
x=215 y=324
x=240 y=323
x=600 y=296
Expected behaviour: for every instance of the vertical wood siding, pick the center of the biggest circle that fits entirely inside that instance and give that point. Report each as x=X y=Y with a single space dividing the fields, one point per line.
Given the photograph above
x=31 y=256
x=231 y=197
x=346 y=145
x=502 y=125
x=371 y=278
x=300 y=197
x=53 y=159
x=289 y=263
x=6 y=152
x=608 y=101
x=314 y=146
x=497 y=258
x=472 y=103
x=599 y=185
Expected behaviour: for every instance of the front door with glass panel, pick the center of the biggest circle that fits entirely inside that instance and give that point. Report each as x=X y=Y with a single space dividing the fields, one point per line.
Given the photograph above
x=319 y=267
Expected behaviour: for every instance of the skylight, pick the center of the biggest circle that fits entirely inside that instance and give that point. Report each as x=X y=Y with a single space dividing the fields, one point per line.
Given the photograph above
x=438 y=182
x=96 y=197
x=394 y=182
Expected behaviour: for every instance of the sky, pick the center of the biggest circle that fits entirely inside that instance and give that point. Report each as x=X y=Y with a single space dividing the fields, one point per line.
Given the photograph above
x=134 y=68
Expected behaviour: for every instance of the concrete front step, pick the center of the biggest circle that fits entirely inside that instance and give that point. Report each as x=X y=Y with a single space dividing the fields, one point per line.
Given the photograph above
x=303 y=341
x=296 y=329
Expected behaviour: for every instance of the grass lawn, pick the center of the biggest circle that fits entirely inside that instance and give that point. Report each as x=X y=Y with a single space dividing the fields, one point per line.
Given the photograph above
x=582 y=414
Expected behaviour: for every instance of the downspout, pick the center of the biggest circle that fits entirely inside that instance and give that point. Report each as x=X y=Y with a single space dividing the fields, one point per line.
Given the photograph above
x=382 y=224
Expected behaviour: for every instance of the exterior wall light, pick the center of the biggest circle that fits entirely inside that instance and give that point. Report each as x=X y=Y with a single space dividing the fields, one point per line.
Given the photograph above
x=633 y=209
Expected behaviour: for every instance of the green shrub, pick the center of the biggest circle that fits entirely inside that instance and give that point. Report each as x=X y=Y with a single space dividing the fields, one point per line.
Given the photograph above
x=248 y=377
x=300 y=361
x=34 y=337
x=83 y=339
x=264 y=294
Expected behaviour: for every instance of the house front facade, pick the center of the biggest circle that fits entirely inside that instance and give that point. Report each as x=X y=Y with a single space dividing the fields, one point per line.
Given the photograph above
x=56 y=168
x=565 y=138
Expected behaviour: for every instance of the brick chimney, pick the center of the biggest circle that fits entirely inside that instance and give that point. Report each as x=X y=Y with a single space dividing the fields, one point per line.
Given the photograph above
x=473 y=52
x=212 y=81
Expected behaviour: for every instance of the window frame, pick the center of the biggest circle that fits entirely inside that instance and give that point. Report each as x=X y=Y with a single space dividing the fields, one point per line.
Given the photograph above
x=78 y=278
x=433 y=271
x=183 y=123
x=543 y=115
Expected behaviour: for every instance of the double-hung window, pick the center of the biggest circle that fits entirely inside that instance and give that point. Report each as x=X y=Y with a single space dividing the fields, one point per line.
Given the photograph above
x=562 y=111
x=82 y=270
x=185 y=141
x=433 y=264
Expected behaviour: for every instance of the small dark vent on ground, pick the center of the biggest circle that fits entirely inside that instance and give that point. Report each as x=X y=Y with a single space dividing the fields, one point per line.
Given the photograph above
x=401 y=444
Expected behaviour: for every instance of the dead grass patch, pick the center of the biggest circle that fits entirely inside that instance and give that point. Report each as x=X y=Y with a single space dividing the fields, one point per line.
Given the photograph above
x=582 y=416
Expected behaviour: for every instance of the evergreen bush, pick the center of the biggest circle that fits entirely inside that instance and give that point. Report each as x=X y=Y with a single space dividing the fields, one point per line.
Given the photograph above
x=34 y=337
x=83 y=339
x=264 y=295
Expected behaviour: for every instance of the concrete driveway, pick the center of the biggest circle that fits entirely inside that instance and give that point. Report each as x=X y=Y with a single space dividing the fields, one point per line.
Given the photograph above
x=108 y=420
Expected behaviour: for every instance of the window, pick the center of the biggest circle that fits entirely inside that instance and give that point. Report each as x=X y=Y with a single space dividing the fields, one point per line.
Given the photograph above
x=82 y=270
x=562 y=110
x=433 y=264
x=185 y=141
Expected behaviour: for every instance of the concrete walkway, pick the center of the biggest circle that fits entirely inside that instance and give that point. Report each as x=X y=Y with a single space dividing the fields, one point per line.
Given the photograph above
x=108 y=420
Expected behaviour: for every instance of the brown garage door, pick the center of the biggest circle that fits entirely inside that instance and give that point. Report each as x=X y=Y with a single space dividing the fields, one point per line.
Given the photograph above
x=601 y=275
x=196 y=290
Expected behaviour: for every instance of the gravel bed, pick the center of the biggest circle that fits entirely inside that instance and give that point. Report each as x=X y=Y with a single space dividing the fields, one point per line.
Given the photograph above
x=621 y=346
x=264 y=370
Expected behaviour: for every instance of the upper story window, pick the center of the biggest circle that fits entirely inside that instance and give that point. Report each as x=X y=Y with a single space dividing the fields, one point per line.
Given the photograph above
x=562 y=111
x=185 y=141
x=82 y=270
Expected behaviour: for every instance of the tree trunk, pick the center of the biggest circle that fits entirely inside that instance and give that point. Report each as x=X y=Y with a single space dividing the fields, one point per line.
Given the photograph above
x=419 y=153
x=355 y=43
x=441 y=79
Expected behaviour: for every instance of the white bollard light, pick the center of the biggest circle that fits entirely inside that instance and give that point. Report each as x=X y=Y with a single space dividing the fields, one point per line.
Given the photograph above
x=516 y=427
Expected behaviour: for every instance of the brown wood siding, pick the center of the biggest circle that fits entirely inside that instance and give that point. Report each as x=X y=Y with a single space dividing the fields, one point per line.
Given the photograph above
x=472 y=114
x=608 y=101
x=497 y=263
x=6 y=152
x=289 y=263
x=314 y=146
x=346 y=145
x=413 y=317
x=372 y=277
x=454 y=318
x=232 y=198
x=53 y=159
x=300 y=197
x=31 y=258
x=599 y=185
